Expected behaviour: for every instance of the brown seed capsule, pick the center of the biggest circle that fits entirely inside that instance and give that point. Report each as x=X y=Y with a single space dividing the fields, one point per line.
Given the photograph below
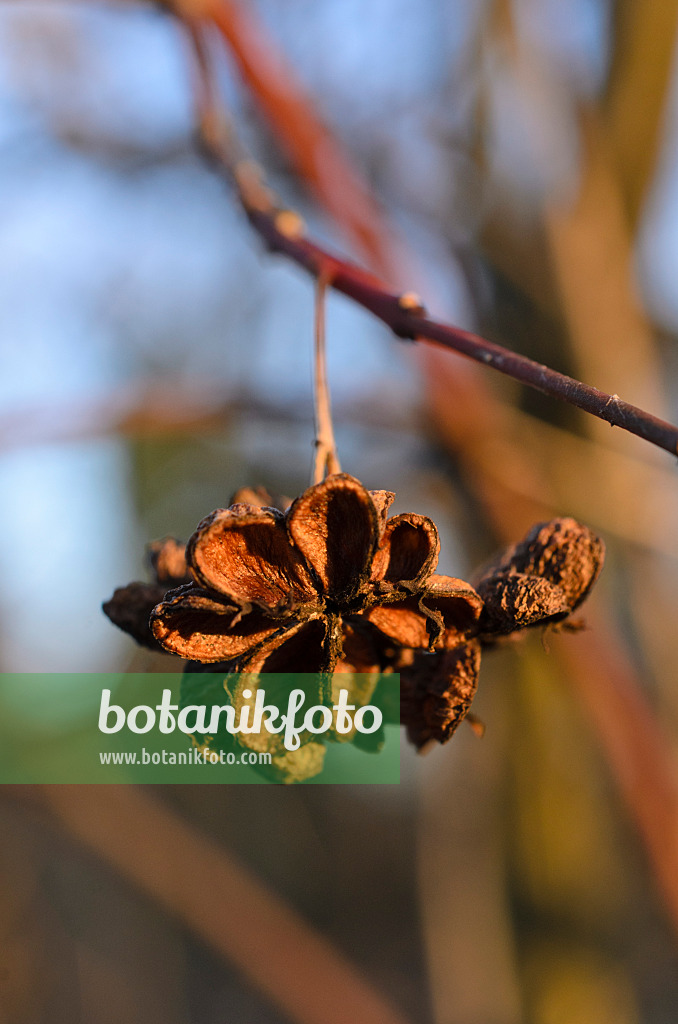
x=130 y=609
x=541 y=579
x=515 y=600
x=330 y=584
x=436 y=692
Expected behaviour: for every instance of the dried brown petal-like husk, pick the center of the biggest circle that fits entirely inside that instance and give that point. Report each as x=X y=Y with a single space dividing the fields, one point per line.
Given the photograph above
x=408 y=550
x=436 y=692
x=190 y=622
x=361 y=646
x=458 y=605
x=312 y=645
x=244 y=554
x=335 y=526
x=130 y=608
x=404 y=622
x=382 y=502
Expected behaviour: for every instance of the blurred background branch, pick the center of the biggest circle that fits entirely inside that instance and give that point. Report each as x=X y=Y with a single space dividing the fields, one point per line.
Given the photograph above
x=229 y=908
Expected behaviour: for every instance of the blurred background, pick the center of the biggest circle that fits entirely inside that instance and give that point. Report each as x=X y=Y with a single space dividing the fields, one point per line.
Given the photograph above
x=154 y=359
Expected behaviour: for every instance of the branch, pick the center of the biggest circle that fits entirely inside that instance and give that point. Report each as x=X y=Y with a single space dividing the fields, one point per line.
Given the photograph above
x=412 y=324
x=283 y=232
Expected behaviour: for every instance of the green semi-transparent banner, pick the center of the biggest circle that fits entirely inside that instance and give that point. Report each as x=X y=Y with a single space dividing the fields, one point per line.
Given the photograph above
x=199 y=727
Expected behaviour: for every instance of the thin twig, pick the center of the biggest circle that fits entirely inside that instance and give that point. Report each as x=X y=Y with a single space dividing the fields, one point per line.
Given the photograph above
x=326 y=460
x=283 y=232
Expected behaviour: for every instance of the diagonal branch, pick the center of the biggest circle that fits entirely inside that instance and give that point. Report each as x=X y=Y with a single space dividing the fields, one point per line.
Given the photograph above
x=283 y=232
x=414 y=325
